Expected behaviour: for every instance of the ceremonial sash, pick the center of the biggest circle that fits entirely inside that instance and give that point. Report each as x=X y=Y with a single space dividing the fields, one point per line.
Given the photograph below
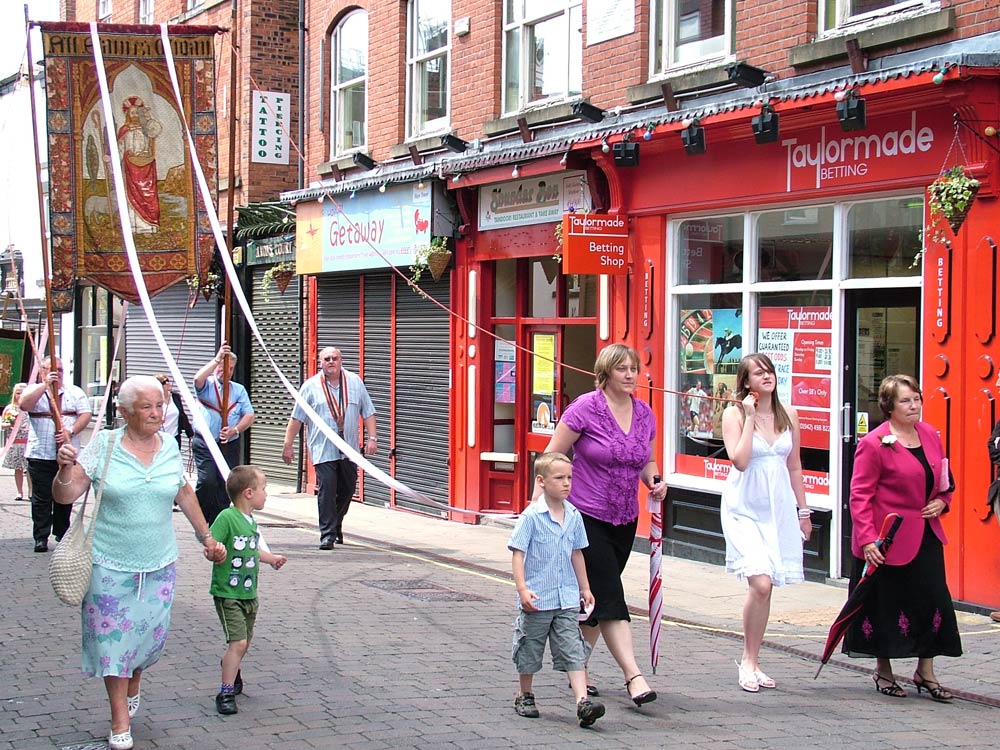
x=337 y=408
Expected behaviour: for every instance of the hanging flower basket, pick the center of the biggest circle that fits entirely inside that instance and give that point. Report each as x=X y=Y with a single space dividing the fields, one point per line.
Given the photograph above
x=950 y=198
x=435 y=258
x=279 y=275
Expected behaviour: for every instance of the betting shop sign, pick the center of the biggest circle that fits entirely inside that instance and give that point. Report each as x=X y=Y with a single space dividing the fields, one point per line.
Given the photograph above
x=594 y=243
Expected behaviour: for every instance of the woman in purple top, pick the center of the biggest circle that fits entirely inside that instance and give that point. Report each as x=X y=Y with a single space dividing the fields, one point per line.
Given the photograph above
x=611 y=433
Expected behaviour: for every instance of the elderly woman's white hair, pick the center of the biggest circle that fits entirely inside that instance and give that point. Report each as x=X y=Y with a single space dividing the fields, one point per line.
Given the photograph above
x=130 y=389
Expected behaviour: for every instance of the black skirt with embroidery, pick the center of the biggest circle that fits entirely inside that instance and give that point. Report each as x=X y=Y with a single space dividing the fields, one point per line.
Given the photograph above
x=908 y=612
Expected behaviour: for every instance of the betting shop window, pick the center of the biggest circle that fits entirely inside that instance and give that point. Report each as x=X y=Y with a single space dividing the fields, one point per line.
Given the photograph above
x=710 y=346
x=543 y=51
x=795 y=244
x=349 y=84
x=711 y=250
x=686 y=32
x=885 y=238
x=428 y=48
x=795 y=329
x=835 y=14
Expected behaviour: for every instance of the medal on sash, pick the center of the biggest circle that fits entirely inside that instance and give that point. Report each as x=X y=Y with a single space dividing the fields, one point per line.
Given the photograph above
x=337 y=407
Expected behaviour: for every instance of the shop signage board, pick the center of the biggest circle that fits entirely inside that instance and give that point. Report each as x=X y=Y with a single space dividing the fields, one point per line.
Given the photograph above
x=269 y=142
x=271 y=250
x=371 y=230
x=799 y=342
x=536 y=200
x=594 y=243
x=816 y=482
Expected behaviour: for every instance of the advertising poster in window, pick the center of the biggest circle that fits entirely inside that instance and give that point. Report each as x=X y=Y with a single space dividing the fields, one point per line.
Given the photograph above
x=799 y=342
x=711 y=347
x=505 y=362
x=543 y=380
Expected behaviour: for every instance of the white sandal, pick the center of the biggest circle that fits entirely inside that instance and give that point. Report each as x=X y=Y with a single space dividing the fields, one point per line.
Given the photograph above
x=122 y=741
x=133 y=703
x=748 y=679
x=763 y=680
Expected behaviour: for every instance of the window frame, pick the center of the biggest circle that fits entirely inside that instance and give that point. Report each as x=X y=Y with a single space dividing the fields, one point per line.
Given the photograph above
x=660 y=37
x=415 y=128
x=104 y=9
x=337 y=88
x=842 y=20
x=146 y=11
x=523 y=25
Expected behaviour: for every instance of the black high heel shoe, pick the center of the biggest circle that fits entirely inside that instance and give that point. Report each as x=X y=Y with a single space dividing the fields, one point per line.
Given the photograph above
x=937 y=692
x=647 y=697
x=891 y=687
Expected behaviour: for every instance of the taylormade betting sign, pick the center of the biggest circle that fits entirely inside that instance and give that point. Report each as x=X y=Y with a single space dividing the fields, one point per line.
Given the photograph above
x=594 y=243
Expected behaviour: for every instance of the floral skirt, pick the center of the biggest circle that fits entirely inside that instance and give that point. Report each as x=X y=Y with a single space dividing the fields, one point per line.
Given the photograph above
x=15 y=457
x=908 y=611
x=125 y=618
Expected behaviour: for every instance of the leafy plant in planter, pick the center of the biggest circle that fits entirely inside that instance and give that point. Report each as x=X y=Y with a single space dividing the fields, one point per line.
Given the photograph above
x=278 y=275
x=206 y=286
x=950 y=197
x=433 y=257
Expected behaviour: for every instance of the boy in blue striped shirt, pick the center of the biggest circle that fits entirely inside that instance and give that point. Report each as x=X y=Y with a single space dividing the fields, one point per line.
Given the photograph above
x=551 y=579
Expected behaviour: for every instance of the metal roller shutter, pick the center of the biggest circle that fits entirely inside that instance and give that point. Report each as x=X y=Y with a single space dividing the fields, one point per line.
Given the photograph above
x=191 y=334
x=422 y=382
x=338 y=315
x=378 y=373
x=280 y=326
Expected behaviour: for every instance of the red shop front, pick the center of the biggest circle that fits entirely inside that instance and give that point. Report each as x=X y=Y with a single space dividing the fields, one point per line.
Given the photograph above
x=813 y=249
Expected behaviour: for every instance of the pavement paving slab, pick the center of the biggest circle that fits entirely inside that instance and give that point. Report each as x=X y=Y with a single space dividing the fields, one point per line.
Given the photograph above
x=401 y=639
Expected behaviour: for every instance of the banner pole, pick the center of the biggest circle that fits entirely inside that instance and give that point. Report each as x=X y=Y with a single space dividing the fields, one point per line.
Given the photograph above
x=54 y=403
x=227 y=297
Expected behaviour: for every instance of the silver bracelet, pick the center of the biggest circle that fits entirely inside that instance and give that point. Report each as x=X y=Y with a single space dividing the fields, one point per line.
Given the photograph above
x=64 y=484
x=804 y=513
x=202 y=537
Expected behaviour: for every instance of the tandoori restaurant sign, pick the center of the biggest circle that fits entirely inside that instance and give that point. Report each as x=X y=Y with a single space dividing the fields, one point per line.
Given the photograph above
x=594 y=243
x=536 y=200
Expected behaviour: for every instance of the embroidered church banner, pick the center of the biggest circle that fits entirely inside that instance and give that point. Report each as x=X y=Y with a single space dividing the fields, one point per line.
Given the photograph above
x=170 y=226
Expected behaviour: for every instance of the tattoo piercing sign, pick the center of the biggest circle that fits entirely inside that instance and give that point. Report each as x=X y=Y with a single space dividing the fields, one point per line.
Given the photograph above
x=594 y=243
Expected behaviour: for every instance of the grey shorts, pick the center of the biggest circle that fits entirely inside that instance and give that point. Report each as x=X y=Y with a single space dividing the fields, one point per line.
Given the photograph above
x=561 y=628
x=237 y=617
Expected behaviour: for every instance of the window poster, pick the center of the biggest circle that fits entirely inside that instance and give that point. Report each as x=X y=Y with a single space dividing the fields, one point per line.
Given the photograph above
x=799 y=342
x=505 y=363
x=711 y=348
x=543 y=381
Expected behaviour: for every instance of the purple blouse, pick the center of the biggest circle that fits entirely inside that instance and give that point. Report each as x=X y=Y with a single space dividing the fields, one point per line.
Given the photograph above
x=607 y=462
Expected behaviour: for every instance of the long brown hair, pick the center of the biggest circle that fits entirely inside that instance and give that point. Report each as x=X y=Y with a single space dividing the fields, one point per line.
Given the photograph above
x=782 y=421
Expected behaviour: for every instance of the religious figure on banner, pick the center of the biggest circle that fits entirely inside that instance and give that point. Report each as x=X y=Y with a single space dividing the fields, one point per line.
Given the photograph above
x=137 y=148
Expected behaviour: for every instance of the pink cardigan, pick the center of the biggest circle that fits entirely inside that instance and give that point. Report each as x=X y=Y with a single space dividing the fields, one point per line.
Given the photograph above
x=888 y=479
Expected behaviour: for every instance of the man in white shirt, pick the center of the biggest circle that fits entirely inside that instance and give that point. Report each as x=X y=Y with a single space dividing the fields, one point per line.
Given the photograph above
x=47 y=516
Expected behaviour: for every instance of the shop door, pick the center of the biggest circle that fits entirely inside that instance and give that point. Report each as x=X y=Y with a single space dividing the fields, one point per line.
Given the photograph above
x=882 y=337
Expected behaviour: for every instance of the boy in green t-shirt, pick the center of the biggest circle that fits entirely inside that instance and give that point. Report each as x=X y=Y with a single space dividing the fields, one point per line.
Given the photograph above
x=234 y=581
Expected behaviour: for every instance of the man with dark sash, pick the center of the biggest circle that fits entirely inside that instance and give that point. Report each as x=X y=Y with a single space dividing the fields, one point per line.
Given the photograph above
x=48 y=516
x=341 y=399
x=208 y=386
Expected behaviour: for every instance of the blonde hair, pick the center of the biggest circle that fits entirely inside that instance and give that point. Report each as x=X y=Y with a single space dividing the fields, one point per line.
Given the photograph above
x=609 y=358
x=543 y=464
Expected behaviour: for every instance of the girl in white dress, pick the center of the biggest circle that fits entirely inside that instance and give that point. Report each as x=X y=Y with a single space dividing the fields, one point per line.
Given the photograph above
x=765 y=518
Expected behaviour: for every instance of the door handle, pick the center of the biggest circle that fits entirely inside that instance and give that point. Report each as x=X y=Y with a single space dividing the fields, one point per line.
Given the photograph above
x=845 y=423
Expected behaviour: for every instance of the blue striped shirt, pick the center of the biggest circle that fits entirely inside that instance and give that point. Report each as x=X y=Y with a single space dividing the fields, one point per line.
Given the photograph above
x=548 y=553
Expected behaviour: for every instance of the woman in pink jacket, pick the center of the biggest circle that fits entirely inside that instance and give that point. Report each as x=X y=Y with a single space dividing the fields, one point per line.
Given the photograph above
x=898 y=468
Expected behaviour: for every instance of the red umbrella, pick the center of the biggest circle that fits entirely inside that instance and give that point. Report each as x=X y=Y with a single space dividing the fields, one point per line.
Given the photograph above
x=655 y=577
x=857 y=598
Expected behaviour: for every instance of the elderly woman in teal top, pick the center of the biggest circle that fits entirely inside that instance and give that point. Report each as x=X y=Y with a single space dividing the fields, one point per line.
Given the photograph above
x=126 y=612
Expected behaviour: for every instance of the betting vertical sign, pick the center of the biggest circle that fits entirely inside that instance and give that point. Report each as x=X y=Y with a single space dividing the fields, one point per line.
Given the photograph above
x=271 y=112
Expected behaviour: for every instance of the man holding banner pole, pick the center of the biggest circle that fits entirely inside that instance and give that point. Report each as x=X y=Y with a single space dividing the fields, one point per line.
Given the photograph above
x=209 y=384
x=341 y=399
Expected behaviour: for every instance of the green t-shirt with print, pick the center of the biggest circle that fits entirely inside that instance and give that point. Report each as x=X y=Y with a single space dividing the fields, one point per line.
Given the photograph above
x=236 y=577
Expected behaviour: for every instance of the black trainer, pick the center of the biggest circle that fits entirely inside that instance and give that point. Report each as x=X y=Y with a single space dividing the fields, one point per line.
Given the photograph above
x=225 y=703
x=524 y=704
x=588 y=711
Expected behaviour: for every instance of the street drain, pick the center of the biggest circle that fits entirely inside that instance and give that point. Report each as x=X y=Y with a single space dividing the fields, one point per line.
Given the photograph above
x=96 y=745
x=423 y=591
